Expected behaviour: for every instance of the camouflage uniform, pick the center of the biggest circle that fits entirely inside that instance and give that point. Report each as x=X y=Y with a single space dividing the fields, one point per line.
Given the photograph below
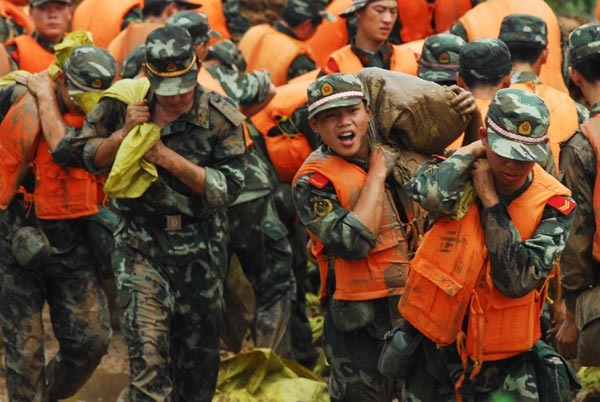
x=439 y=59
x=245 y=87
x=64 y=275
x=352 y=354
x=170 y=260
x=579 y=269
x=133 y=15
x=257 y=235
x=517 y=267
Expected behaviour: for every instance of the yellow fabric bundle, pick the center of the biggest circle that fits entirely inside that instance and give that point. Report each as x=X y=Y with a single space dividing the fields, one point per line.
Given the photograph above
x=131 y=175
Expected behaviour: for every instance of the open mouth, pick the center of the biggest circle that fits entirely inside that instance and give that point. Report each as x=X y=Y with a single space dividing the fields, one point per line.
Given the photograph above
x=347 y=138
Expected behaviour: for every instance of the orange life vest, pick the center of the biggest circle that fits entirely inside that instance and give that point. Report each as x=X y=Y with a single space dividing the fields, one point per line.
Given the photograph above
x=450 y=274
x=330 y=36
x=60 y=192
x=216 y=17
x=287 y=151
x=484 y=20
x=483 y=105
x=128 y=39
x=591 y=131
x=597 y=11
x=8 y=9
x=563 y=114
x=383 y=272
x=18 y=143
x=418 y=16
x=102 y=18
x=344 y=60
x=264 y=47
x=30 y=55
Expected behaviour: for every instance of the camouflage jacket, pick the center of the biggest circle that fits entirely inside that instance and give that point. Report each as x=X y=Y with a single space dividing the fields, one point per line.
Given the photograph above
x=517 y=266
x=206 y=135
x=579 y=270
x=244 y=88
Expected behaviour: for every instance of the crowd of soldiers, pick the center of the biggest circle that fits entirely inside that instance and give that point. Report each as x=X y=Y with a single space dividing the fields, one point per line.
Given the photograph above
x=150 y=141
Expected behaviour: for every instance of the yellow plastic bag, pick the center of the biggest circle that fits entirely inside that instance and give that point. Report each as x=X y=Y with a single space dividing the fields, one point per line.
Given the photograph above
x=131 y=175
x=261 y=375
x=63 y=50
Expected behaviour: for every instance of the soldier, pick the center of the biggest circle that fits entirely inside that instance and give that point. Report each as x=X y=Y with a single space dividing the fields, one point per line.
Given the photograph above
x=35 y=52
x=155 y=13
x=439 y=58
x=343 y=200
x=257 y=235
x=578 y=333
x=45 y=257
x=477 y=282
x=483 y=21
x=170 y=255
x=226 y=18
x=484 y=67
x=526 y=38
x=282 y=48
x=370 y=47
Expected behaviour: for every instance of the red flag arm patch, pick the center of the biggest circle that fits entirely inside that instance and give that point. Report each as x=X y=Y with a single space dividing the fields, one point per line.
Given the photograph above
x=562 y=204
x=318 y=180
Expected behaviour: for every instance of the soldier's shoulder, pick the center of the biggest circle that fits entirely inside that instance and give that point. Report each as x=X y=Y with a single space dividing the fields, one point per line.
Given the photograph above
x=225 y=107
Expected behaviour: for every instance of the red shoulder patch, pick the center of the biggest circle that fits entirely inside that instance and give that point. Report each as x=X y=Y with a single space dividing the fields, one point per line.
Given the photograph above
x=318 y=180
x=562 y=204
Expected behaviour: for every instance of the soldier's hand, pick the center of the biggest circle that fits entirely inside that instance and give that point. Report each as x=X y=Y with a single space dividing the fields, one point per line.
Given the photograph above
x=383 y=157
x=137 y=113
x=483 y=183
x=464 y=102
x=566 y=337
x=476 y=149
x=156 y=153
x=41 y=83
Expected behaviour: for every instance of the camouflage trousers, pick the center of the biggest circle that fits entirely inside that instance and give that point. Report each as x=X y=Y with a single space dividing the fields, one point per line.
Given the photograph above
x=170 y=308
x=436 y=370
x=353 y=356
x=69 y=283
x=258 y=238
x=302 y=347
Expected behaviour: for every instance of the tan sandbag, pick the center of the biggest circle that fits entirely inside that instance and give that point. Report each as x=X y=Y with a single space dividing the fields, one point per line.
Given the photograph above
x=411 y=112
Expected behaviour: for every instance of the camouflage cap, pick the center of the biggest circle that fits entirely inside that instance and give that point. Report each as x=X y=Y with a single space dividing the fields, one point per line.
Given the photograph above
x=334 y=90
x=356 y=5
x=524 y=29
x=485 y=59
x=37 y=3
x=517 y=125
x=89 y=68
x=439 y=58
x=132 y=65
x=171 y=62
x=228 y=54
x=308 y=9
x=196 y=24
x=584 y=42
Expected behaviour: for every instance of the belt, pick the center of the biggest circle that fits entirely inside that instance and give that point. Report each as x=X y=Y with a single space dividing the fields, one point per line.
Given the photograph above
x=171 y=223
